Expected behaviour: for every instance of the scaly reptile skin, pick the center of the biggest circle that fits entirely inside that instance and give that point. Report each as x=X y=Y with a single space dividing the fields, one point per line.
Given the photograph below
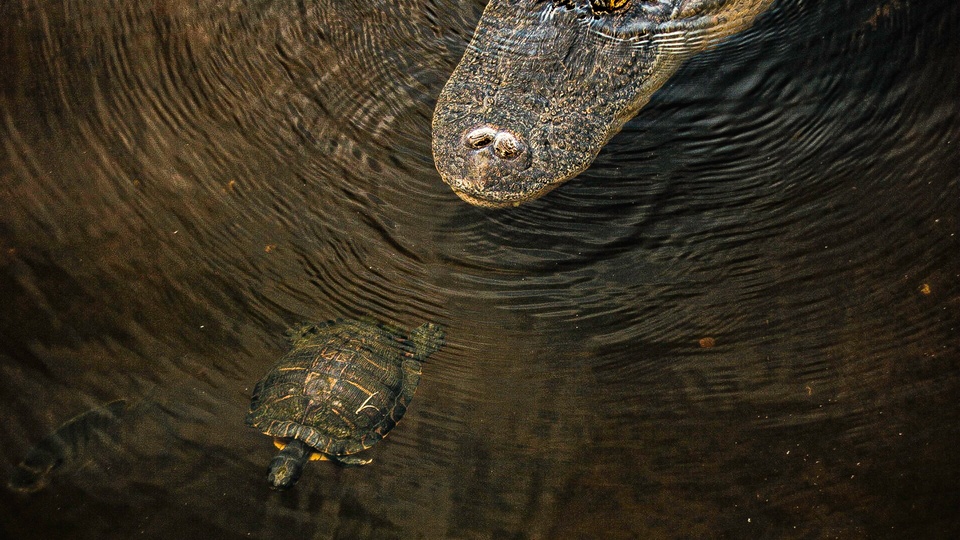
x=544 y=84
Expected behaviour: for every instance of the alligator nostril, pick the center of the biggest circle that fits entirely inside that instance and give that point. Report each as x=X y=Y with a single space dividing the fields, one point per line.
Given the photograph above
x=506 y=146
x=480 y=137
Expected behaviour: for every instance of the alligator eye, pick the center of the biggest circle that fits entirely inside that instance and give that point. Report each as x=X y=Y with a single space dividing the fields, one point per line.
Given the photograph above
x=608 y=6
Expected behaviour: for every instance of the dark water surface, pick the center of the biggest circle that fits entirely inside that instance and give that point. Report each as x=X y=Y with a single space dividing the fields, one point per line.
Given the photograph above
x=180 y=181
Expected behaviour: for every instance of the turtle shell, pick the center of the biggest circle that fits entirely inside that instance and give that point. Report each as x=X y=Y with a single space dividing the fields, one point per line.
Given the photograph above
x=343 y=386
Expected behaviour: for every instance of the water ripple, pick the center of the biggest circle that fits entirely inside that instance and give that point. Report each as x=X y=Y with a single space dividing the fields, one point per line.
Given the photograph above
x=756 y=279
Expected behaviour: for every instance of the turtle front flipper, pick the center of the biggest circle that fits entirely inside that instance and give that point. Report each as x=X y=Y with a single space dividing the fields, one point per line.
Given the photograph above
x=287 y=466
x=301 y=333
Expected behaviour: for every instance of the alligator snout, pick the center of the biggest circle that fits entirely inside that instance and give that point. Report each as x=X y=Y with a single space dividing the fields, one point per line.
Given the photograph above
x=542 y=86
x=491 y=155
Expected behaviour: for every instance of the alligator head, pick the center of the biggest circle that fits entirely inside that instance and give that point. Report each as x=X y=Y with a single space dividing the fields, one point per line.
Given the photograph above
x=544 y=84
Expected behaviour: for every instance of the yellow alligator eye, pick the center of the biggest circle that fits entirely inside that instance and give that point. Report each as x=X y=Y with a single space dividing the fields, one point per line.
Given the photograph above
x=608 y=6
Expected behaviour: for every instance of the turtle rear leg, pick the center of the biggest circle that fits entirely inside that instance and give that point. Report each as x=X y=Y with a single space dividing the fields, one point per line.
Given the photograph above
x=351 y=461
x=427 y=339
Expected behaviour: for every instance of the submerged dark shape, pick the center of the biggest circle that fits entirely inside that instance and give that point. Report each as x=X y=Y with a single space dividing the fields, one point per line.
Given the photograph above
x=544 y=84
x=63 y=449
x=342 y=387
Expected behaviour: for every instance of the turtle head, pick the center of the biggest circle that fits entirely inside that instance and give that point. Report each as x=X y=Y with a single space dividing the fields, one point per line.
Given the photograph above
x=544 y=84
x=284 y=472
x=287 y=466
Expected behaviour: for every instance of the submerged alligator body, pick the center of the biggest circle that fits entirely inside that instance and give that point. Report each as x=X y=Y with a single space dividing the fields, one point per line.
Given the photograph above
x=544 y=84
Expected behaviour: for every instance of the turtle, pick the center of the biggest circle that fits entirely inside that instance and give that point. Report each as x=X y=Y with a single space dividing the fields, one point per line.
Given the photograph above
x=343 y=385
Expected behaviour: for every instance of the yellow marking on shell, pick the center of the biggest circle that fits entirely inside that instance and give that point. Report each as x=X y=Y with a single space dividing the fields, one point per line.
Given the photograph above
x=343 y=418
x=294 y=368
x=362 y=389
x=372 y=362
x=366 y=404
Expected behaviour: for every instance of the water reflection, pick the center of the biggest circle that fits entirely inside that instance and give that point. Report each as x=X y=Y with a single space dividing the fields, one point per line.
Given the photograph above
x=181 y=183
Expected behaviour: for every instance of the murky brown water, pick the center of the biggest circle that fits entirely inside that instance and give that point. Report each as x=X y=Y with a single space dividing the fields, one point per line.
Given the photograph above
x=741 y=322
